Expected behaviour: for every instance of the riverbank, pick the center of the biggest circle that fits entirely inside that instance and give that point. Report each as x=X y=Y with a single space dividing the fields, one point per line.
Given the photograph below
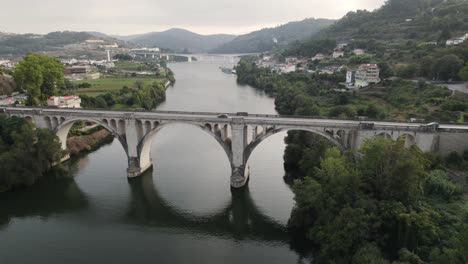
x=83 y=144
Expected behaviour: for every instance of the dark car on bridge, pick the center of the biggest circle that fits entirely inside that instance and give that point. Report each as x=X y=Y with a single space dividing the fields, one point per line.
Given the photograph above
x=223 y=116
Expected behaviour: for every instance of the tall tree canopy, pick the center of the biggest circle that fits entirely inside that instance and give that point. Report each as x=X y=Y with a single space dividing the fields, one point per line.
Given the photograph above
x=40 y=76
x=25 y=152
x=383 y=206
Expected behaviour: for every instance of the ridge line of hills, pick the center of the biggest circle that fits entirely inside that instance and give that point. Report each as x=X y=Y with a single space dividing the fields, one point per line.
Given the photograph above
x=396 y=20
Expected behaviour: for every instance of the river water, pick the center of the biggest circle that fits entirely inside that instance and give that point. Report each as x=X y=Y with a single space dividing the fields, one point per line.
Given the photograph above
x=181 y=211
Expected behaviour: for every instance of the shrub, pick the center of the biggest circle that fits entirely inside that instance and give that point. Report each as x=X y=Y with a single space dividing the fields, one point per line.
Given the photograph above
x=438 y=184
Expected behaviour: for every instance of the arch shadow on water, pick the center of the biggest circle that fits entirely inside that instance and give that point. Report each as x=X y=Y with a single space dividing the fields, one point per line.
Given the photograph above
x=240 y=219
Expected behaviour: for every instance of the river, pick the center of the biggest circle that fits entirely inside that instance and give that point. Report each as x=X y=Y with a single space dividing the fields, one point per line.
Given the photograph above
x=181 y=211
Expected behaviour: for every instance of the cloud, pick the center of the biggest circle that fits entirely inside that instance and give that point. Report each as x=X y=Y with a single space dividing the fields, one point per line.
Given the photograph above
x=138 y=16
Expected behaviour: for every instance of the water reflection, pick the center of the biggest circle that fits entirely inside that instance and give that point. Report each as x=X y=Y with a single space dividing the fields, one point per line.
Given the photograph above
x=240 y=219
x=51 y=195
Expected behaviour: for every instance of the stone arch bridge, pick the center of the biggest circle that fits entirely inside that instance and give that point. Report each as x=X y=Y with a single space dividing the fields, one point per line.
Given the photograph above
x=238 y=134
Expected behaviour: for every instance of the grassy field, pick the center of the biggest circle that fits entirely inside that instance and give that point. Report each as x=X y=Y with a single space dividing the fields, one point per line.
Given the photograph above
x=104 y=85
x=129 y=66
x=90 y=94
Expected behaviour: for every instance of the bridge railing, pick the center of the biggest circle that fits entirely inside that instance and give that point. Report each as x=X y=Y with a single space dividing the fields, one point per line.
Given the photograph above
x=367 y=120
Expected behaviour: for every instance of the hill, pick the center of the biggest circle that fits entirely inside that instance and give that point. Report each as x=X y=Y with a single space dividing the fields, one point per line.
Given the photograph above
x=180 y=40
x=385 y=30
x=267 y=38
x=20 y=44
x=403 y=20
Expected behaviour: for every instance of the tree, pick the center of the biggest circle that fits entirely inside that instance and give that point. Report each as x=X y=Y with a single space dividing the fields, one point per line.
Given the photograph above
x=124 y=57
x=447 y=67
x=445 y=35
x=21 y=143
x=391 y=171
x=7 y=85
x=40 y=76
x=463 y=73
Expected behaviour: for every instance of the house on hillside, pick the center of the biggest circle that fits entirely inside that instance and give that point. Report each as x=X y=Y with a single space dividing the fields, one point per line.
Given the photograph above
x=330 y=69
x=70 y=101
x=109 y=46
x=359 y=52
x=342 y=45
x=456 y=41
x=290 y=60
x=94 y=41
x=319 y=57
x=77 y=69
x=337 y=53
x=363 y=76
x=7 y=64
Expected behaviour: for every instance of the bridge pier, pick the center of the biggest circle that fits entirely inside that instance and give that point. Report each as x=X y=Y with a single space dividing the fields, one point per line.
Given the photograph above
x=240 y=172
x=240 y=177
x=135 y=169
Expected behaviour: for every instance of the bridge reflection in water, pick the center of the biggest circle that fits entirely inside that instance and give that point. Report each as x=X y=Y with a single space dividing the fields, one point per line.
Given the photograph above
x=240 y=219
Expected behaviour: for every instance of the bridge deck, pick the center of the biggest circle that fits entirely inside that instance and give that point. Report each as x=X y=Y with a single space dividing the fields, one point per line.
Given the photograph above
x=232 y=118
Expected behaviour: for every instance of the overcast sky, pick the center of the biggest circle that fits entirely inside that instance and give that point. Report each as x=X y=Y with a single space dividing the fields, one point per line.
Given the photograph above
x=125 y=17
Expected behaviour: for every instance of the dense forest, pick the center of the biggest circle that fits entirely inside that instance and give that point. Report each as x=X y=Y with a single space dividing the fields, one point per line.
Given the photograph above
x=26 y=152
x=392 y=204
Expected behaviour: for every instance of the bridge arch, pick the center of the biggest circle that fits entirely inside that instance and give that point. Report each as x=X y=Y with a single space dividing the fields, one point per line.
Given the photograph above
x=409 y=139
x=63 y=129
x=384 y=135
x=144 y=146
x=325 y=134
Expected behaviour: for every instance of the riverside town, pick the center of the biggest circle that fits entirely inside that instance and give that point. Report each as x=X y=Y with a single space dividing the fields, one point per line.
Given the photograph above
x=234 y=132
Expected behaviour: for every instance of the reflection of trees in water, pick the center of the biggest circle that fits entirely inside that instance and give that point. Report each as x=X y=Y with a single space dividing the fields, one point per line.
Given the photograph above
x=240 y=219
x=52 y=194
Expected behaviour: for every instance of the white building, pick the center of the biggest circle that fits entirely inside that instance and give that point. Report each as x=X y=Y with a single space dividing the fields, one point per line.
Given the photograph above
x=288 y=68
x=70 y=101
x=367 y=74
x=350 y=78
x=319 y=57
x=342 y=45
x=7 y=64
x=94 y=41
x=290 y=59
x=338 y=53
x=456 y=41
x=145 y=50
x=110 y=46
x=359 y=52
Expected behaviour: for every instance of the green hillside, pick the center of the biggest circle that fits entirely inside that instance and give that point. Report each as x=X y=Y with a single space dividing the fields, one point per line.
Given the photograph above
x=403 y=19
x=267 y=38
x=181 y=40
x=19 y=44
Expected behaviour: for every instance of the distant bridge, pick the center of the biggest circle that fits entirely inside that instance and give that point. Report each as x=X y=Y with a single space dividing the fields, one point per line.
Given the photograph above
x=240 y=134
x=227 y=58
